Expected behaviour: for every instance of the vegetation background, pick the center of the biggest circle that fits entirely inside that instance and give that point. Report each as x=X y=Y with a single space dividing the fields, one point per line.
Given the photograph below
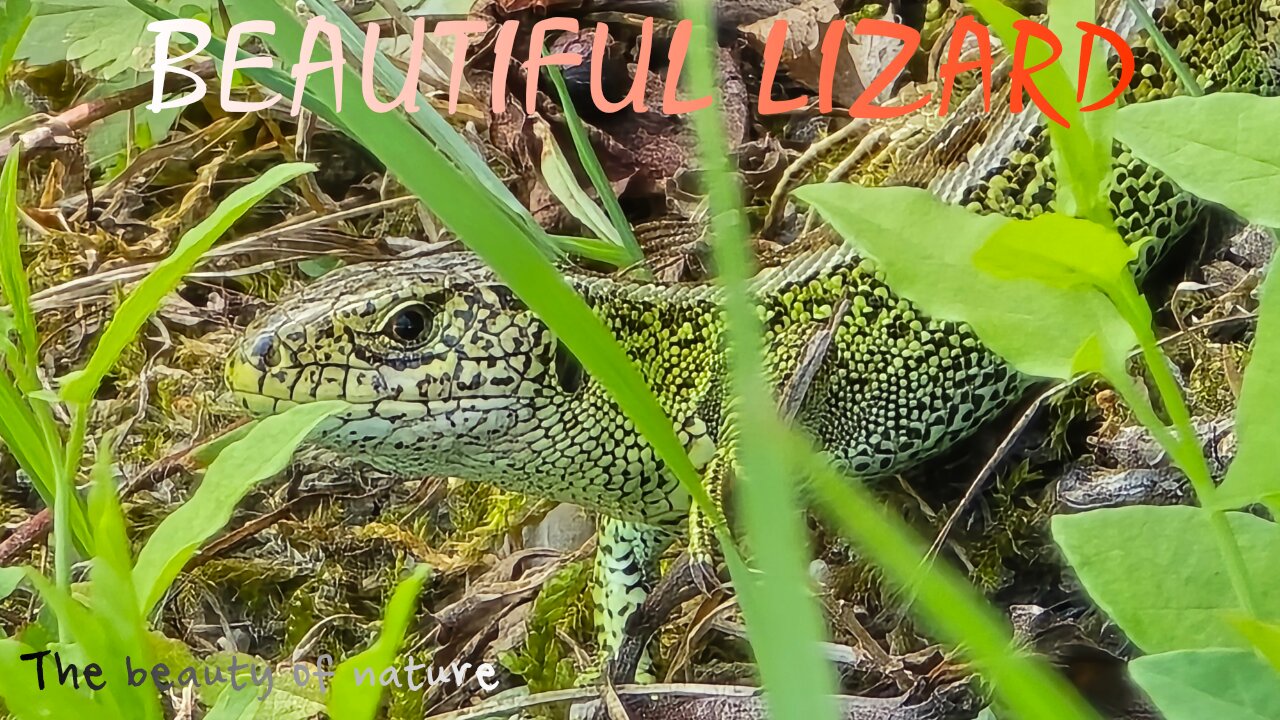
x=135 y=245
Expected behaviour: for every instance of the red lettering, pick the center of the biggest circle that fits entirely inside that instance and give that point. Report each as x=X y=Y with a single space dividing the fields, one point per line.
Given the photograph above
x=953 y=67
x=1020 y=75
x=671 y=104
x=772 y=58
x=635 y=97
x=831 y=48
x=910 y=37
x=1123 y=52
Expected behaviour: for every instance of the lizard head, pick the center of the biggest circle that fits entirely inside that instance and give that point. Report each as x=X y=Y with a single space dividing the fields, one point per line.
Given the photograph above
x=443 y=366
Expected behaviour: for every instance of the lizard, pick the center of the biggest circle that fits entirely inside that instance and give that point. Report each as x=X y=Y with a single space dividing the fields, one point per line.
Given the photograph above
x=448 y=373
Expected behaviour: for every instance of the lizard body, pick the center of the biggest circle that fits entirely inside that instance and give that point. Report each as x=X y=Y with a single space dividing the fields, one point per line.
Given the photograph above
x=448 y=373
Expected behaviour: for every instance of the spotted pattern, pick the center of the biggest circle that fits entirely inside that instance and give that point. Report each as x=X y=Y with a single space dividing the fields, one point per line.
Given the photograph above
x=474 y=385
x=483 y=394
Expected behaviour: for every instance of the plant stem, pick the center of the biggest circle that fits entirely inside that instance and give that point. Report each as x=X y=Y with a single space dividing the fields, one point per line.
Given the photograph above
x=1181 y=442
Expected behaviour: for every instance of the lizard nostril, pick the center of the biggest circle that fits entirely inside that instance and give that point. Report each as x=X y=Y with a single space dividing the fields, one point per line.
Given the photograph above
x=266 y=350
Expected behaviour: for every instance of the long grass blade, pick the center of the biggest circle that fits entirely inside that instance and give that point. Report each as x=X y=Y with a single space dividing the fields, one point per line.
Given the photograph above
x=784 y=620
x=353 y=700
x=561 y=180
x=112 y=593
x=432 y=124
x=595 y=171
x=1185 y=77
x=26 y=424
x=13 y=276
x=21 y=434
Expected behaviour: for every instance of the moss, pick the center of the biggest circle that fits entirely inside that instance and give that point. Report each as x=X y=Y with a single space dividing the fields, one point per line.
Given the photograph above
x=481 y=516
x=1013 y=535
x=562 y=608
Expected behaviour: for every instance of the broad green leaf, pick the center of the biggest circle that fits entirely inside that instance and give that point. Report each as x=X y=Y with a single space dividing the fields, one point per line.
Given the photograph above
x=233 y=705
x=1254 y=475
x=23 y=697
x=1157 y=573
x=1265 y=638
x=1059 y=251
x=207 y=452
x=352 y=701
x=1209 y=683
x=261 y=454
x=10 y=578
x=271 y=78
x=784 y=620
x=105 y=37
x=925 y=249
x=1082 y=152
x=80 y=386
x=112 y=594
x=949 y=605
x=1220 y=147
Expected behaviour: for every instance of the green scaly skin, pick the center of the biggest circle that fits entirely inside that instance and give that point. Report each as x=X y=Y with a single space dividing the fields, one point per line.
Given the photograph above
x=448 y=373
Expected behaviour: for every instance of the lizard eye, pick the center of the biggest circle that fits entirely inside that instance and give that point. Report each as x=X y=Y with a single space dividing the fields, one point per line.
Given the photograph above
x=409 y=324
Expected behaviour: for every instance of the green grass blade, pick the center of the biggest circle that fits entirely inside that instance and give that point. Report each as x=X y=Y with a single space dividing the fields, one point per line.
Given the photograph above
x=558 y=174
x=261 y=454
x=953 y=609
x=80 y=387
x=13 y=276
x=595 y=171
x=1187 y=78
x=27 y=426
x=89 y=632
x=351 y=701
x=481 y=222
x=603 y=251
x=784 y=620
x=22 y=435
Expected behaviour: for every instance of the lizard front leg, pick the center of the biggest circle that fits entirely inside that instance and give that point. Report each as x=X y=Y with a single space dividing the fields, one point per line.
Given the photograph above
x=625 y=572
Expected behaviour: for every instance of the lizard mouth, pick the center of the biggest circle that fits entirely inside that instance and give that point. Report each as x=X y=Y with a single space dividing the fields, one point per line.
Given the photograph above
x=266 y=377
x=264 y=390
x=260 y=405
